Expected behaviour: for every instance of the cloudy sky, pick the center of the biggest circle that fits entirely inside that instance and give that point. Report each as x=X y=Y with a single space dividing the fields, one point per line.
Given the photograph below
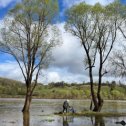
x=68 y=58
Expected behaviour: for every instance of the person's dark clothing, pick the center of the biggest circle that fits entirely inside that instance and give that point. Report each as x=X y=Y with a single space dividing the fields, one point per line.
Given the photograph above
x=65 y=106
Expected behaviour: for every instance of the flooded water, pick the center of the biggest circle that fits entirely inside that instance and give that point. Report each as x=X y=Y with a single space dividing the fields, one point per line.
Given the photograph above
x=42 y=113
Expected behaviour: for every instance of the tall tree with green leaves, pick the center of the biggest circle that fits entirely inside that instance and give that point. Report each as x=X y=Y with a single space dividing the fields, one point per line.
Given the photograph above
x=108 y=21
x=96 y=27
x=27 y=36
x=80 y=23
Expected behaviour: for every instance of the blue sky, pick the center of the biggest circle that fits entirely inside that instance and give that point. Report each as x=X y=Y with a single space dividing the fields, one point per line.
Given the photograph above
x=5 y=6
x=123 y=1
x=66 y=68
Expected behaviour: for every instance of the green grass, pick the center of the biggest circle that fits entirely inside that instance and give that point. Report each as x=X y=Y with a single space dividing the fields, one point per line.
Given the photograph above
x=11 y=88
x=90 y=113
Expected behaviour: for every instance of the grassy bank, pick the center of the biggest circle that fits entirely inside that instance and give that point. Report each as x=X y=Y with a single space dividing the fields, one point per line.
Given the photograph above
x=12 y=88
x=89 y=113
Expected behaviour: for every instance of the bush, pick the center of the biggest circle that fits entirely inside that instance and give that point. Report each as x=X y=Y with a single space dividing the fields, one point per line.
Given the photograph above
x=116 y=94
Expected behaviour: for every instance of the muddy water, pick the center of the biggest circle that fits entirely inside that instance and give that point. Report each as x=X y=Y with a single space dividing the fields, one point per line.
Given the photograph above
x=42 y=113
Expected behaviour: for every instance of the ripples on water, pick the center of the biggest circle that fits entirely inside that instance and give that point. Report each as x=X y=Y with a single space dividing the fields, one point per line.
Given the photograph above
x=42 y=113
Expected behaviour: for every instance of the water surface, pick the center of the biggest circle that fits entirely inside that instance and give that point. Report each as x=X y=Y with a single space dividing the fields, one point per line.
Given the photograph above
x=42 y=113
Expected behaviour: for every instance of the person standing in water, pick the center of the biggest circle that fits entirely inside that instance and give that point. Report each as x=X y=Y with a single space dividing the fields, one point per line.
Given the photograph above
x=66 y=106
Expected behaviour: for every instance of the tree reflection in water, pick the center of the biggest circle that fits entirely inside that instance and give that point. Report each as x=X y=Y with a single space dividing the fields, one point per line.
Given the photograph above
x=99 y=121
x=67 y=119
x=96 y=121
x=26 y=119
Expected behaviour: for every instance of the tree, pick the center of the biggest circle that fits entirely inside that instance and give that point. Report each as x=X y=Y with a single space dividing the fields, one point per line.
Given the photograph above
x=26 y=118
x=117 y=60
x=108 y=21
x=81 y=23
x=96 y=27
x=28 y=38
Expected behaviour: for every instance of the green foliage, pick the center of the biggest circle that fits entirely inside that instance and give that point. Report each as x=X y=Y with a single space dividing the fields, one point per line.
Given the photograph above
x=81 y=9
x=11 y=88
x=36 y=9
x=114 y=8
x=116 y=94
x=75 y=15
x=98 y=8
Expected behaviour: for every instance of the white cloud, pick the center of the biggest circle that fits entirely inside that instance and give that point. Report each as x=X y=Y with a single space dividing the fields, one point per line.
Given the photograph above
x=56 y=74
x=53 y=77
x=10 y=69
x=70 y=54
x=67 y=65
x=4 y=3
x=103 y=2
x=69 y=3
x=1 y=23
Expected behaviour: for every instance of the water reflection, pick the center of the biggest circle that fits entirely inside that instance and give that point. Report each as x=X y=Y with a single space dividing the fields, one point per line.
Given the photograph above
x=99 y=121
x=26 y=119
x=67 y=120
x=95 y=121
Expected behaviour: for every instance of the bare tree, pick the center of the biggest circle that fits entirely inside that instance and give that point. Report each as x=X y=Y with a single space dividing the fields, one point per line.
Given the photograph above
x=26 y=37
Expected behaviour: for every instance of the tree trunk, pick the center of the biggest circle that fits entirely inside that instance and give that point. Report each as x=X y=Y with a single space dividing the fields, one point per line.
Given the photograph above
x=28 y=99
x=27 y=104
x=26 y=119
x=100 y=100
x=94 y=99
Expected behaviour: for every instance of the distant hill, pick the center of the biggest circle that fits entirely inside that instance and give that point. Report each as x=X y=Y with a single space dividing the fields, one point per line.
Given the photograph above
x=6 y=81
x=61 y=90
x=11 y=88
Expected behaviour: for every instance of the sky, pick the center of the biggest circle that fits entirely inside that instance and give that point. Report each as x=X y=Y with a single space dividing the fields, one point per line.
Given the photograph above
x=68 y=58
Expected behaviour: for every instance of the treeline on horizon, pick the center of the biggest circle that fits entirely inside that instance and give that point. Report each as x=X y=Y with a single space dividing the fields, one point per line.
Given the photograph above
x=62 y=90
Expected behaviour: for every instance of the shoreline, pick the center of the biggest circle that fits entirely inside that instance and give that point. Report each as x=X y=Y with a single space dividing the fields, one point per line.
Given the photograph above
x=23 y=98
x=108 y=100
x=90 y=113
